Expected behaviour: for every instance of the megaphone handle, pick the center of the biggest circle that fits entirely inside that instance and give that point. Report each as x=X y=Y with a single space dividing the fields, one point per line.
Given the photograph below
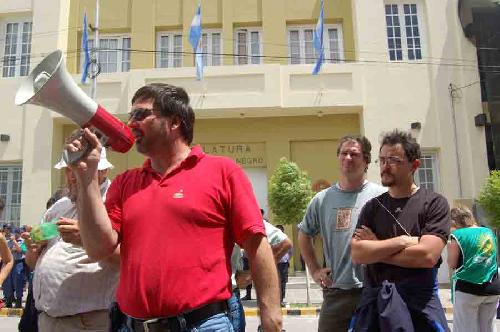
x=72 y=157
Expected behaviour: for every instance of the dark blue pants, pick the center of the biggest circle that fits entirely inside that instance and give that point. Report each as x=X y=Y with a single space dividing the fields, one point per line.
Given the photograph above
x=14 y=283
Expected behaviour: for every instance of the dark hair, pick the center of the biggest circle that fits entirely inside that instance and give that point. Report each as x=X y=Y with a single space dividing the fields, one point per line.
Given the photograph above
x=57 y=195
x=172 y=102
x=409 y=144
x=280 y=227
x=366 y=146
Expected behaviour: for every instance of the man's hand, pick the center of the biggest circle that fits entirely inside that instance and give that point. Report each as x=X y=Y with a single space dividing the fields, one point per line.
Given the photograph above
x=34 y=249
x=85 y=168
x=323 y=277
x=70 y=231
x=364 y=233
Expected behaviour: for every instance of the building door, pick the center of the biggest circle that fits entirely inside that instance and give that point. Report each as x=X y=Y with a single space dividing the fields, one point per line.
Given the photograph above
x=258 y=178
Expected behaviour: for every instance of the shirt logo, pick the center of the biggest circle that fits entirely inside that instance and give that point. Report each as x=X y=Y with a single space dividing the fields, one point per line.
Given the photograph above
x=343 y=218
x=398 y=210
x=178 y=195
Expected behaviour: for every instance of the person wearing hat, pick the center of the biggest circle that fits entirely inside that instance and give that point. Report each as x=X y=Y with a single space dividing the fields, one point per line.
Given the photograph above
x=71 y=291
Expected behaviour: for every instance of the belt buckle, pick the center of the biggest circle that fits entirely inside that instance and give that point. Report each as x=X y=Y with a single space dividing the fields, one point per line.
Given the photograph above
x=145 y=324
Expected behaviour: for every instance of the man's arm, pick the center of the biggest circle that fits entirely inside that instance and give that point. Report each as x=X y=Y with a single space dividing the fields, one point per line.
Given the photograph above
x=453 y=254
x=425 y=254
x=320 y=275
x=375 y=251
x=99 y=239
x=280 y=249
x=265 y=276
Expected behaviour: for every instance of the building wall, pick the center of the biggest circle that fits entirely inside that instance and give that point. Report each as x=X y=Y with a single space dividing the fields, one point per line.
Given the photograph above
x=280 y=109
x=142 y=19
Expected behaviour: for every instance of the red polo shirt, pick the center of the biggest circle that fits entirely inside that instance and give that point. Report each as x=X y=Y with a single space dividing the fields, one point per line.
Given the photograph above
x=177 y=233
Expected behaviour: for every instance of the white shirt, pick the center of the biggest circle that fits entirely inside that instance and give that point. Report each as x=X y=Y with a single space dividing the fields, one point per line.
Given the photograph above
x=66 y=282
x=274 y=236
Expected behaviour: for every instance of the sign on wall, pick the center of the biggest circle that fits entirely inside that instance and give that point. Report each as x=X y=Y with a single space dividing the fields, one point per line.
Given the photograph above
x=245 y=154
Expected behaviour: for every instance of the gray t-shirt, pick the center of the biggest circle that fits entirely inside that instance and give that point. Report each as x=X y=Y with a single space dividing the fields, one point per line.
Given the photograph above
x=334 y=212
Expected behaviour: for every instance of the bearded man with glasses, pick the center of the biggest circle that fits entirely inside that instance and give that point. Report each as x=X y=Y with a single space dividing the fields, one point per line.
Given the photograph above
x=190 y=208
x=400 y=236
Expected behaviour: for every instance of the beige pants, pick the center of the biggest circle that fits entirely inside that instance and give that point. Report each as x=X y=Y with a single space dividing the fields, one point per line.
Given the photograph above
x=96 y=321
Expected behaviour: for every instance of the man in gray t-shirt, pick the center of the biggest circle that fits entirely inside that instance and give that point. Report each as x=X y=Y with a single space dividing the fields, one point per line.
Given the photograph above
x=333 y=213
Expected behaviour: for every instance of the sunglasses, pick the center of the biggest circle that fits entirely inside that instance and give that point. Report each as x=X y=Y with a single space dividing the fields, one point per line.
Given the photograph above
x=139 y=114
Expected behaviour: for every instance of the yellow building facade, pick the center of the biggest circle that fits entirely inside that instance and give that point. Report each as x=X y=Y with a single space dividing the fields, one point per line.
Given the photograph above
x=258 y=100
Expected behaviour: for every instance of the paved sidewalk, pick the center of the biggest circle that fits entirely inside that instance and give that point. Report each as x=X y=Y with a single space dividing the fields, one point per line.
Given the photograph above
x=296 y=299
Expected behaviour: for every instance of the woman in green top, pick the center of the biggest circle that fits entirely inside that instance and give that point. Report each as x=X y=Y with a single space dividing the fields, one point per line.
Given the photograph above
x=472 y=251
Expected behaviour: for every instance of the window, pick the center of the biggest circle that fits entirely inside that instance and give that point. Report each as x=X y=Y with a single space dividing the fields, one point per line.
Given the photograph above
x=427 y=175
x=211 y=48
x=169 y=46
x=113 y=55
x=248 y=48
x=301 y=46
x=403 y=43
x=17 y=49
x=10 y=192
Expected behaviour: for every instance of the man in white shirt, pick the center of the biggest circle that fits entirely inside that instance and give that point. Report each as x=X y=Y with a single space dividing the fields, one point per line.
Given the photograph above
x=72 y=292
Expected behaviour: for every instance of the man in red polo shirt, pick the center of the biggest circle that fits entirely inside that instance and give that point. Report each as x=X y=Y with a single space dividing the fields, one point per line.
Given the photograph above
x=190 y=209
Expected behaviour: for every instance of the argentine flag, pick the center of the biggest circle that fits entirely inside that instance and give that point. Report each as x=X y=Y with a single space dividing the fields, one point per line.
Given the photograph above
x=194 y=40
x=318 y=40
x=85 y=48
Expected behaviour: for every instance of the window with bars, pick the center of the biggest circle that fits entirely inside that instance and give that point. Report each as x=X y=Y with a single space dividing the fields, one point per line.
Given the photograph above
x=17 y=49
x=404 y=37
x=427 y=174
x=169 y=47
x=248 y=47
x=113 y=53
x=301 y=46
x=211 y=47
x=10 y=192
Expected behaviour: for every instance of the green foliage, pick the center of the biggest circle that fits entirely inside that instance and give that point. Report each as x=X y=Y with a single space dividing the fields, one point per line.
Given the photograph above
x=489 y=198
x=289 y=192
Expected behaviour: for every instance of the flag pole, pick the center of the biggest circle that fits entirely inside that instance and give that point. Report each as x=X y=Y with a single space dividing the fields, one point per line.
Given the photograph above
x=96 y=44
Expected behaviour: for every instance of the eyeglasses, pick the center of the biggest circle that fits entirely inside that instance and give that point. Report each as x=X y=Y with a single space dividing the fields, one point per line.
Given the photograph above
x=389 y=160
x=139 y=114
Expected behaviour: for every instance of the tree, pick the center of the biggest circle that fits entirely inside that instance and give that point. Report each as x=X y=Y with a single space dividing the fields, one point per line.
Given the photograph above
x=289 y=192
x=489 y=198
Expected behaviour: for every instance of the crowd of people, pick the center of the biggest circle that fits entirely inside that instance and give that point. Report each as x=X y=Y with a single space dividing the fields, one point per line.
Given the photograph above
x=160 y=247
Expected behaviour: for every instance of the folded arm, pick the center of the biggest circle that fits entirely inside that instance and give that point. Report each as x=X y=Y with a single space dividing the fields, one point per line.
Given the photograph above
x=425 y=254
x=376 y=251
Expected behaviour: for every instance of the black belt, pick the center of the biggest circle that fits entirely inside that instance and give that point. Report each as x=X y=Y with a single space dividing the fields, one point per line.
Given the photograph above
x=178 y=323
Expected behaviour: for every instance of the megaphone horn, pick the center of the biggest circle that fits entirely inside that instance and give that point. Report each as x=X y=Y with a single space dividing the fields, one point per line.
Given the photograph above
x=50 y=85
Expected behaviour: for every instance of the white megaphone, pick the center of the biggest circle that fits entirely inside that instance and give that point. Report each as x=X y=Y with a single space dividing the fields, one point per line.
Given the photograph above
x=51 y=86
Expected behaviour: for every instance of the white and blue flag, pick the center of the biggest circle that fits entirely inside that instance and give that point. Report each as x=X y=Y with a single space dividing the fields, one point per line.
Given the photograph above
x=194 y=40
x=318 y=40
x=86 y=52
